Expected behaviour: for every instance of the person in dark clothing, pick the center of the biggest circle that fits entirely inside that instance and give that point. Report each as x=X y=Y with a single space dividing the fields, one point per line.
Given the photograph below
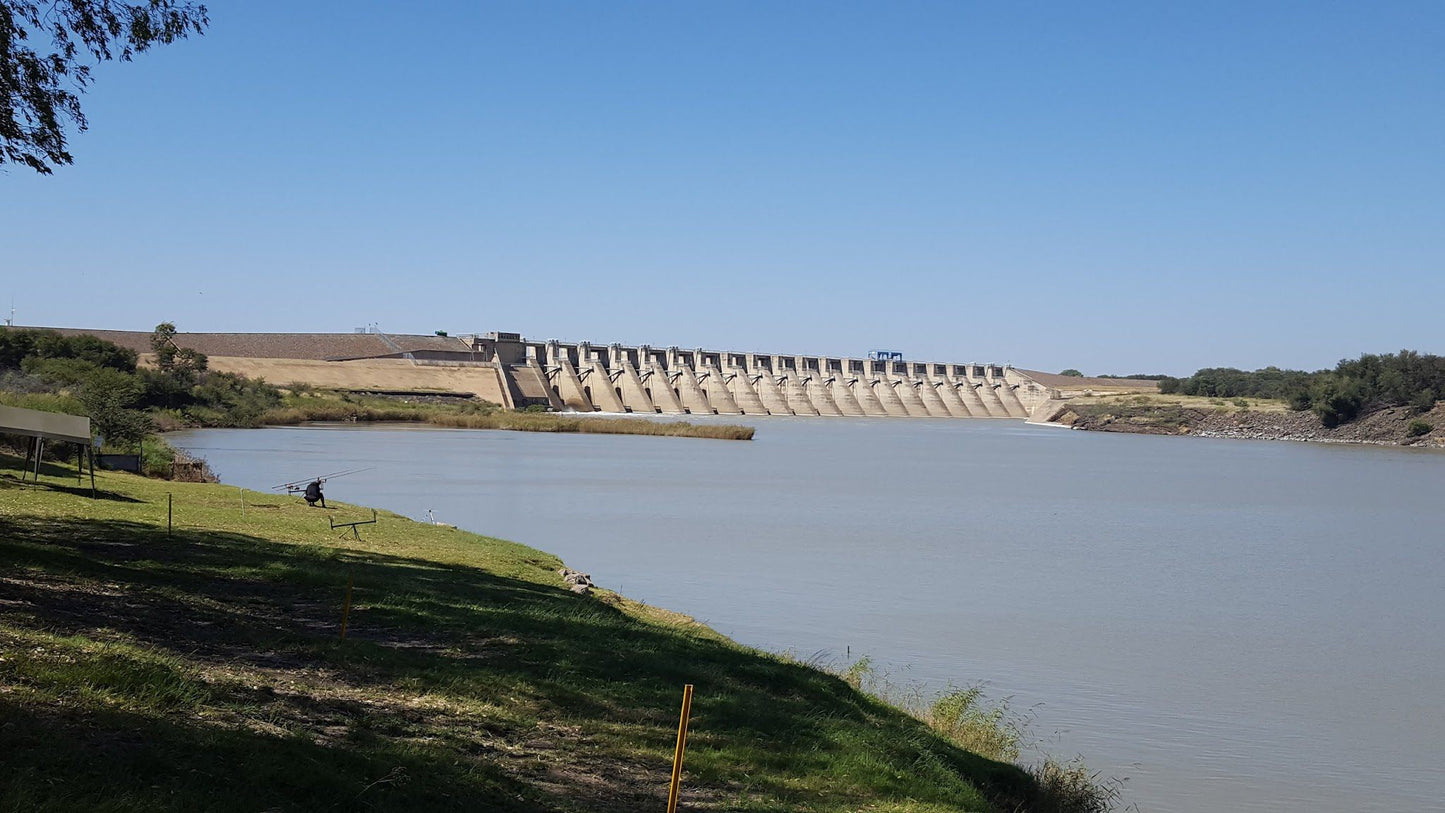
x=313 y=494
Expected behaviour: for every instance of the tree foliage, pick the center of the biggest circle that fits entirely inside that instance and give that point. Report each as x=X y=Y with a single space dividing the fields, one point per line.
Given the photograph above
x=120 y=398
x=17 y=345
x=1405 y=378
x=182 y=365
x=1352 y=388
x=111 y=398
x=40 y=89
x=1228 y=382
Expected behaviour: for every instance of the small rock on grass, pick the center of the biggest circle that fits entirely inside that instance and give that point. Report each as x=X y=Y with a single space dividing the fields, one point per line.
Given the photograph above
x=581 y=582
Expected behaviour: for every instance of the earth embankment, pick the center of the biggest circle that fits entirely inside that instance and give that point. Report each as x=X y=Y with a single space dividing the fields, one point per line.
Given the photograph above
x=482 y=382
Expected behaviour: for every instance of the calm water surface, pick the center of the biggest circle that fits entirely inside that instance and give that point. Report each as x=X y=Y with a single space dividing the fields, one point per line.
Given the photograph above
x=1232 y=625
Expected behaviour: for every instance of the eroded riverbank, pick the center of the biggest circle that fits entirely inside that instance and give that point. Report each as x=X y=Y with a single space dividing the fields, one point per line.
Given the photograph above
x=1395 y=426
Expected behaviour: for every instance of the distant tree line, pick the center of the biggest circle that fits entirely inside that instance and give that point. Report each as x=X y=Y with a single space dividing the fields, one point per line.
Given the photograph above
x=1073 y=373
x=1352 y=388
x=94 y=377
x=1227 y=382
x=1138 y=376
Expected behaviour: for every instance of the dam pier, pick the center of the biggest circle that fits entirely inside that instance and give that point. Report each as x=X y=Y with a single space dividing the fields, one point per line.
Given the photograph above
x=587 y=378
x=507 y=369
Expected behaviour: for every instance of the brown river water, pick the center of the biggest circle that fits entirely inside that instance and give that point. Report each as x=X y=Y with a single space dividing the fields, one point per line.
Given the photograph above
x=1230 y=625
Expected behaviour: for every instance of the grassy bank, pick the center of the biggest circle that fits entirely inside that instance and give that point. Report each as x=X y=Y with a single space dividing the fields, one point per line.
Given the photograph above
x=303 y=408
x=203 y=669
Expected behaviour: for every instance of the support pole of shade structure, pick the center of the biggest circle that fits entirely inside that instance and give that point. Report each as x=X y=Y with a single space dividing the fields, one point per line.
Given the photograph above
x=681 y=747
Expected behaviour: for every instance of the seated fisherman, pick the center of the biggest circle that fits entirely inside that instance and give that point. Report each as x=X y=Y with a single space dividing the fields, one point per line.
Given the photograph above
x=313 y=493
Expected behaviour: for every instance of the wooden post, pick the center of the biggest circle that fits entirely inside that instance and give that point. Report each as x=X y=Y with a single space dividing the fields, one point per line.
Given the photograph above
x=681 y=747
x=346 y=610
x=90 y=453
x=168 y=514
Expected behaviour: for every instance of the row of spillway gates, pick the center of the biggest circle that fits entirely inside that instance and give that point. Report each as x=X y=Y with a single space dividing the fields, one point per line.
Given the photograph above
x=587 y=378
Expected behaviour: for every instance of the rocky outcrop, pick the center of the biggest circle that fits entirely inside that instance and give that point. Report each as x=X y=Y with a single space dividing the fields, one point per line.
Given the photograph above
x=580 y=582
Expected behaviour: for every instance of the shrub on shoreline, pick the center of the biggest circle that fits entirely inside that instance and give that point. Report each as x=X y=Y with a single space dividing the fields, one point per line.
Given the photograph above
x=1352 y=388
x=993 y=730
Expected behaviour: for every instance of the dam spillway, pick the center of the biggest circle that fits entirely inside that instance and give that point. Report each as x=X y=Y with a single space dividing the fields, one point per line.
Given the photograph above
x=583 y=377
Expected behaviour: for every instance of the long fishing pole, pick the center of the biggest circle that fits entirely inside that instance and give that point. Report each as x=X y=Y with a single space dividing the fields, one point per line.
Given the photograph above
x=296 y=484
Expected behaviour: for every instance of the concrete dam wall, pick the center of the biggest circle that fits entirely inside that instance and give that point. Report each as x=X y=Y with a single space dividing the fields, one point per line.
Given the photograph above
x=581 y=377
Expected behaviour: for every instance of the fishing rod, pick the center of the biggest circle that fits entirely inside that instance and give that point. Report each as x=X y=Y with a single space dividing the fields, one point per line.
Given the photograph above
x=297 y=485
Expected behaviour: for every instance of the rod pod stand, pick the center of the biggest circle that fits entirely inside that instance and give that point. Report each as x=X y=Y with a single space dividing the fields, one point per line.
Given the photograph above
x=352 y=525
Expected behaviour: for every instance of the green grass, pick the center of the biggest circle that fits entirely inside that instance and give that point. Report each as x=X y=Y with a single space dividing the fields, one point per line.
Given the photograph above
x=43 y=401
x=203 y=669
x=302 y=408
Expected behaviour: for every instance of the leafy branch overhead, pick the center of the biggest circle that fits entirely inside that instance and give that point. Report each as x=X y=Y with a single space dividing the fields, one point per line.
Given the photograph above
x=40 y=90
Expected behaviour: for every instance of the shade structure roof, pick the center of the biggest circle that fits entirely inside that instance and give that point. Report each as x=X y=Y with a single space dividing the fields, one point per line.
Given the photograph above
x=49 y=425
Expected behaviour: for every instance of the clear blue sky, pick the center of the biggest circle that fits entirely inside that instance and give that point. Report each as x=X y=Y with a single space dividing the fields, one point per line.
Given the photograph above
x=1118 y=187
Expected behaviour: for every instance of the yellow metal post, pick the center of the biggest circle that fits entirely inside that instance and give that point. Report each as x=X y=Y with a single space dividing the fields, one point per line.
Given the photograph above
x=681 y=746
x=346 y=610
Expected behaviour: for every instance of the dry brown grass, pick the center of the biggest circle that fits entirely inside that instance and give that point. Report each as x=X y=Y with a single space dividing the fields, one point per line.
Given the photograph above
x=1188 y=401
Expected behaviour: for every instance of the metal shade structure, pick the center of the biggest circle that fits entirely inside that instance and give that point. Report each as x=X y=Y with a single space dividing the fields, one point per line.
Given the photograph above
x=43 y=426
x=47 y=425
